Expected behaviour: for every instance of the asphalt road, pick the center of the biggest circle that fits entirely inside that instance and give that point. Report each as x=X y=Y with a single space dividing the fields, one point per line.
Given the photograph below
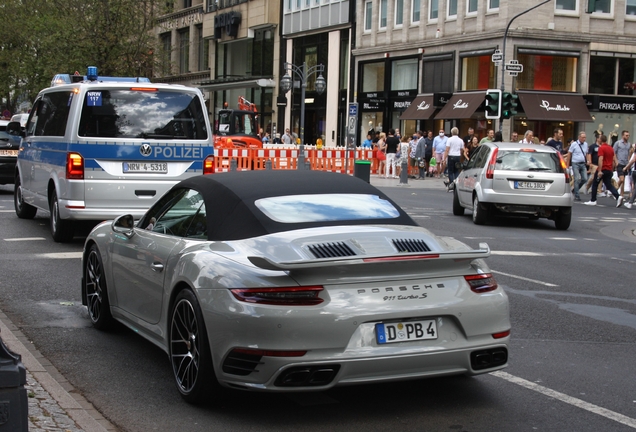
x=573 y=309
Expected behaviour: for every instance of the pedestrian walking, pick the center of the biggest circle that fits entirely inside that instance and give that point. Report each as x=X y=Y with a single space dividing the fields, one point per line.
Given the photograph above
x=392 y=145
x=606 y=164
x=439 y=144
x=631 y=166
x=454 y=150
x=621 y=155
x=577 y=160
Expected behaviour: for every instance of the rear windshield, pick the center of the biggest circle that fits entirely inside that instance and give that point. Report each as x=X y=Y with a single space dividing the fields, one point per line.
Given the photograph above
x=326 y=207
x=126 y=113
x=515 y=160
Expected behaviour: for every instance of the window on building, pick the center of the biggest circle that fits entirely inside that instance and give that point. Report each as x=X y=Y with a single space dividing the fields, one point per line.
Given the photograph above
x=493 y=5
x=547 y=72
x=399 y=13
x=345 y=50
x=368 y=15
x=383 y=13
x=630 y=7
x=478 y=73
x=566 y=5
x=611 y=75
x=415 y=11
x=262 y=62
x=404 y=74
x=433 y=9
x=184 y=51
x=373 y=77
x=471 y=6
x=603 y=6
x=438 y=73
x=165 y=53
x=187 y=3
x=203 y=47
x=452 y=8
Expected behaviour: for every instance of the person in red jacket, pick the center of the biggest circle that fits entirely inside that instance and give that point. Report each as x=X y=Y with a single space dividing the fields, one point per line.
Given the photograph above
x=606 y=164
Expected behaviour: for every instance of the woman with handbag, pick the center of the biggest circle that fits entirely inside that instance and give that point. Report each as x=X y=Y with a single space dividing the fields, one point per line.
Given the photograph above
x=381 y=154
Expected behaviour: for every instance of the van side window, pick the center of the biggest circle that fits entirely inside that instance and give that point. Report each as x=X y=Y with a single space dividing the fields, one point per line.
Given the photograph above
x=50 y=114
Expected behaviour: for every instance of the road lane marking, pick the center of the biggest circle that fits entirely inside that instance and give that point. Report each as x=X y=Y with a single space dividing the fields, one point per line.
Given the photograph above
x=24 y=239
x=7 y=211
x=61 y=255
x=620 y=418
x=524 y=278
x=516 y=253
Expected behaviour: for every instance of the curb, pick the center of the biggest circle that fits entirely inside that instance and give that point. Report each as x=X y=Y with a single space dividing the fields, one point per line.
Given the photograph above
x=74 y=404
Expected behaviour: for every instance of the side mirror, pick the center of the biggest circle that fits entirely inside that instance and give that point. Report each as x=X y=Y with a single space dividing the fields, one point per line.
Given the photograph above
x=125 y=225
x=14 y=128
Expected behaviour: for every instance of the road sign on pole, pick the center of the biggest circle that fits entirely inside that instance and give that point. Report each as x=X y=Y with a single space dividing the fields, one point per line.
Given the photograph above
x=497 y=57
x=514 y=67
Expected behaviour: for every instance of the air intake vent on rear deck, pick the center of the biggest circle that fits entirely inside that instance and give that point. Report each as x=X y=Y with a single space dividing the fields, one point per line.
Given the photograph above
x=411 y=245
x=331 y=250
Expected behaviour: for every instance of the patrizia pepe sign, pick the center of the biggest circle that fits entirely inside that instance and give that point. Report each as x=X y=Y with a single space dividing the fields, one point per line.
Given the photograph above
x=546 y=106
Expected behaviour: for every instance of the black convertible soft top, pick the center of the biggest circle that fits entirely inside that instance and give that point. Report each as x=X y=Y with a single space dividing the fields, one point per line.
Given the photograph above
x=231 y=212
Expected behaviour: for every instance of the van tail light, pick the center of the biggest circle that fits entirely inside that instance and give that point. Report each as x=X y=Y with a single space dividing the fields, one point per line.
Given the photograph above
x=281 y=296
x=74 y=166
x=208 y=165
x=564 y=167
x=490 y=170
x=481 y=283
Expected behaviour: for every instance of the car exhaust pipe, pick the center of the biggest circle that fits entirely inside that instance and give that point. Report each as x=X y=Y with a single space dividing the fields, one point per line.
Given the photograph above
x=307 y=376
x=490 y=358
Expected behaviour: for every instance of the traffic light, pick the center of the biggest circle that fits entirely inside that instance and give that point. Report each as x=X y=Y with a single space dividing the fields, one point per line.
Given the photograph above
x=509 y=104
x=493 y=103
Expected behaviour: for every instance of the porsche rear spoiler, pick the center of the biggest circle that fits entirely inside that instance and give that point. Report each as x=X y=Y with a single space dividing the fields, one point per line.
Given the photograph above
x=267 y=264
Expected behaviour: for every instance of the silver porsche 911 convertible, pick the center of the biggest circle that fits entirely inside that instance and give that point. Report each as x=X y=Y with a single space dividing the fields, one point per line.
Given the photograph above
x=294 y=281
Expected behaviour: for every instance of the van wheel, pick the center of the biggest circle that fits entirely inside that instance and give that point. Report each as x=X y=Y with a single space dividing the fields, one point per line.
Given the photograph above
x=61 y=230
x=480 y=212
x=22 y=209
x=458 y=210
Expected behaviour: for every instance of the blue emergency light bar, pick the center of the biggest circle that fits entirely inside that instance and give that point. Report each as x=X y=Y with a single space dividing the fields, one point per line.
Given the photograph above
x=91 y=76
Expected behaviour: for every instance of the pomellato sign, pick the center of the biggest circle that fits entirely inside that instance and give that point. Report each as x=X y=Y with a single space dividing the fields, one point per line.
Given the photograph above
x=546 y=106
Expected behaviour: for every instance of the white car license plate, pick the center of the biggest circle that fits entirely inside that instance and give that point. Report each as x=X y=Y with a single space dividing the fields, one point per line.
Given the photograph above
x=529 y=185
x=145 y=167
x=8 y=153
x=405 y=331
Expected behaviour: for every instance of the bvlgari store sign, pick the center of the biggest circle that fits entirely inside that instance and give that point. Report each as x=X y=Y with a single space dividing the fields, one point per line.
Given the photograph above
x=613 y=104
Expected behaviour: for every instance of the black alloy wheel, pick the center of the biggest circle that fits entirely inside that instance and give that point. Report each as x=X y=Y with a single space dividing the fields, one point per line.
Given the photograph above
x=96 y=293
x=22 y=209
x=189 y=350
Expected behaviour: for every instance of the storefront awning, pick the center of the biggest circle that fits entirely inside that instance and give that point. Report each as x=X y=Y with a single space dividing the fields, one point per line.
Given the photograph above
x=422 y=108
x=461 y=105
x=555 y=106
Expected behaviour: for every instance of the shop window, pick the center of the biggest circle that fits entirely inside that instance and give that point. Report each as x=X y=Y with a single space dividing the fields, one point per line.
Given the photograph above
x=433 y=10
x=626 y=76
x=603 y=75
x=546 y=72
x=415 y=11
x=399 y=13
x=493 y=5
x=373 y=77
x=368 y=15
x=438 y=73
x=263 y=52
x=630 y=8
x=452 y=8
x=383 y=12
x=404 y=74
x=478 y=73
x=184 y=51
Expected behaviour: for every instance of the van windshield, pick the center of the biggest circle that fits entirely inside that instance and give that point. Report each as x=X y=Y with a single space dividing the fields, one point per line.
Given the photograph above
x=126 y=113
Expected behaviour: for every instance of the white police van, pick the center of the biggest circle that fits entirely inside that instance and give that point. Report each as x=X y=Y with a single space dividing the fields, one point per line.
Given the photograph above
x=98 y=147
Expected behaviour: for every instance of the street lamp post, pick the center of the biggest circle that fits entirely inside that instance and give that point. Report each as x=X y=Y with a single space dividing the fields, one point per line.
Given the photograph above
x=302 y=73
x=503 y=60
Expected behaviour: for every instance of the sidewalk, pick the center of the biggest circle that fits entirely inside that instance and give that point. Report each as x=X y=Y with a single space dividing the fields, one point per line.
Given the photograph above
x=54 y=405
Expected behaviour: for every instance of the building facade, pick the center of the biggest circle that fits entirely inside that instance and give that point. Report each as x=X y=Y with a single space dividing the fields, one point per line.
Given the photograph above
x=578 y=67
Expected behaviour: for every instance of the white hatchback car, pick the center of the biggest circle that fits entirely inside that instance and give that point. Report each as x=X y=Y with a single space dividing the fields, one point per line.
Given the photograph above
x=516 y=180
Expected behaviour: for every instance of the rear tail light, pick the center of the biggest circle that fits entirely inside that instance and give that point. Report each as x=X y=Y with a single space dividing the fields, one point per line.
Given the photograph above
x=564 y=167
x=282 y=296
x=481 y=283
x=501 y=335
x=490 y=170
x=74 y=166
x=208 y=165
